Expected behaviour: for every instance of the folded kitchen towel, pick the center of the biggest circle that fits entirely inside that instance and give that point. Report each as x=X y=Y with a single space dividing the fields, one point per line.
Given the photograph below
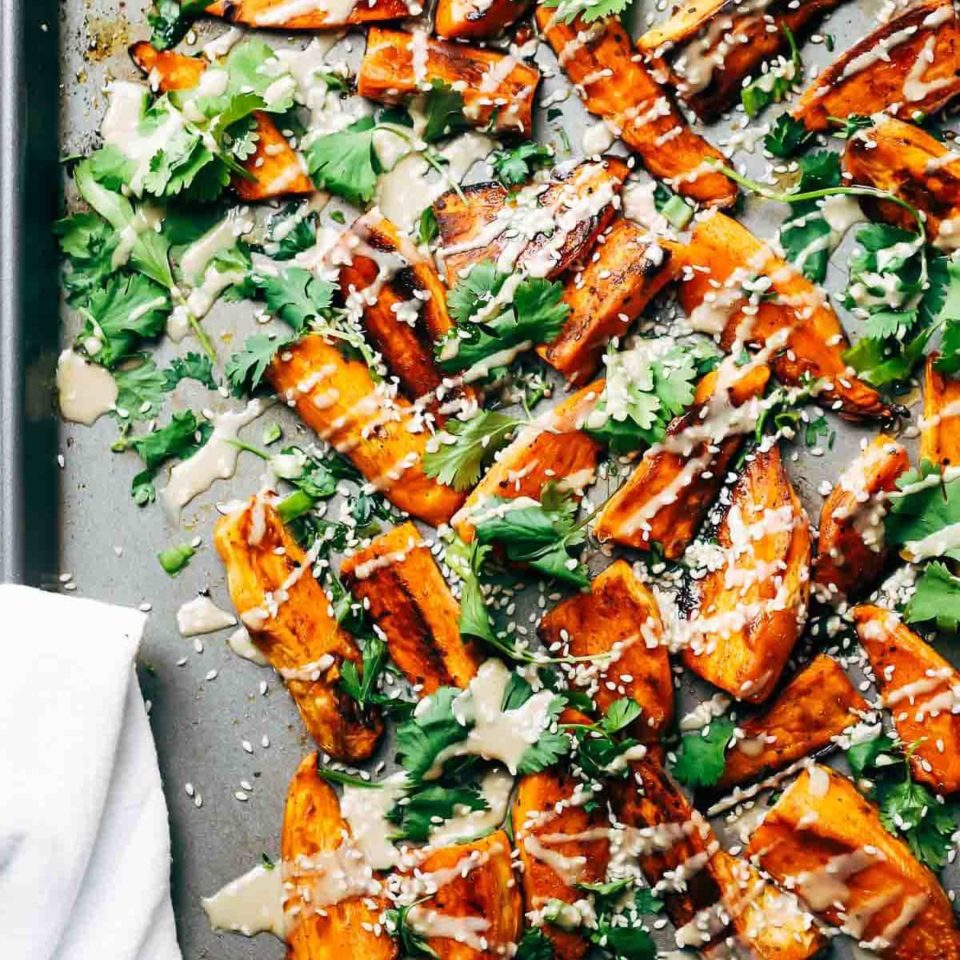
x=84 y=837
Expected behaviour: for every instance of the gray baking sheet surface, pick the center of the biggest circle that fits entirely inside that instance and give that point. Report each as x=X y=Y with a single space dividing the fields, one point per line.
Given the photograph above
x=109 y=545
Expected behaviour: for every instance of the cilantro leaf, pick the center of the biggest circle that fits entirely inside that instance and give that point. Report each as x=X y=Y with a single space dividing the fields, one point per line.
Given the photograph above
x=918 y=510
x=481 y=284
x=443 y=112
x=779 y=78
x=910 y=809
x=364 y=690
x=245 y=369
x=427 y=227
x=421 y=810
x=588 y=10
x=517 y=164
x=345 y=163
x=170 y=20
x=787 y=136
x=412 y=943
x=296 y=296
x=176 y=558
x=701 y=758
x=949 y=315
x=457 y=455
x=140 y=390
x=620 y=714
x=422 y=738
x=550 y=745
x=863 y=757
x=474 y=616
x=191 y=366
x=937 y=598
x=534 y=945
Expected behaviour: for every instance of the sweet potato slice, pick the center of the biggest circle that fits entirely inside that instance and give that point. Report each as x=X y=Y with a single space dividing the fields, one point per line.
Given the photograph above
x=709 y=895
x=904 y=160
x=315 y=843
x=476 y=19
x=560 y=844
x=618 y=615
x=599 y=59
x=275 y=168
x=497 y=89
x=793 y=325
x=710 y=48
x=485 y=222
x=827 y=842
x=551 y=449
x=380 y=433
x=850 y=553
x=909 y=65
x=478 y=900
x=666 y=498
x=411 y=603
x=288 y=617
x=940 y=425
x=752 y=609
x=402 y=302
x=296 y=15
x=921 y=691
x=816 y=706
x=626 y=272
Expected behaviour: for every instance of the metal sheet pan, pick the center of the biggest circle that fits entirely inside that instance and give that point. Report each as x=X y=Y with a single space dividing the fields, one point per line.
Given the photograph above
x=77 y=518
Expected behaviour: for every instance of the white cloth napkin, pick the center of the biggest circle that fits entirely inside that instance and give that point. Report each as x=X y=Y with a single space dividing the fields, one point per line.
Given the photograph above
x=84 y=837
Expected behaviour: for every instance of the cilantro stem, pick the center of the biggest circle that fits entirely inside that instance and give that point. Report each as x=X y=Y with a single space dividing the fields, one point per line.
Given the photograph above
x=243 y=445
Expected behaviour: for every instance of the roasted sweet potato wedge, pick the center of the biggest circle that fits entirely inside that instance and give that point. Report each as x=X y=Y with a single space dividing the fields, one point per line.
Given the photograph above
x=333 y=902
x=485 y=222
x=627 y=271
x=710 y=47
x=621 y=615
x=411 y=603
x=850 y=553
x=827 y=842
x=284 y=15
x=816 y=706
x=288 y=617
x=909 y=65
x=402 y=303
x=905 y=160
x=560 y=844
x=551 y=449
x=940 y=425
x=478 y=900
x=792 y=325
x=599 y=59
x=275 y=168
x=476 y=19
x=920 y=689
x=497 y=89
x=666 y=498
x=753 y=608
x=380 y=433
x=709 y=895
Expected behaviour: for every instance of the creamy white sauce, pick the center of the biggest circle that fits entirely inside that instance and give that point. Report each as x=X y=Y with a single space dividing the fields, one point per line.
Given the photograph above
x=251 y=904
x=202 y=615
x=240 y=643
x=86 y=390
x=495 y=787
x=366 y=812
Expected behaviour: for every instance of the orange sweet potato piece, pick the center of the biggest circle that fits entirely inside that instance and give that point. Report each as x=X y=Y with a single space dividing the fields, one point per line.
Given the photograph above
x=360 y=419
x=619 y=613
x=705 y=67
x=939 y=427
x=920 y=690
x=283 y=15
x=794 y=324
x=550 y=449
x=827 y=842
x=315 y=839
x=288 y=617
x=666 y=498
x=483 y=894
x=709 y=895
x=905 y=160
x=850 y=554
x=407 y=349
x=411 y=603
x=600 y=60
x=475 y=223
x=470 y=20
x=626 y=272
x=909 y=65
x=275 y=168
x=560 y=844
x=753 y=608
x=495 y=88
x=818 y=704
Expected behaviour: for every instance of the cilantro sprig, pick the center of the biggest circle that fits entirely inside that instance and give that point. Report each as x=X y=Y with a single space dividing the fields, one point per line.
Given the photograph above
x=457 y=455
x=701 y=758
